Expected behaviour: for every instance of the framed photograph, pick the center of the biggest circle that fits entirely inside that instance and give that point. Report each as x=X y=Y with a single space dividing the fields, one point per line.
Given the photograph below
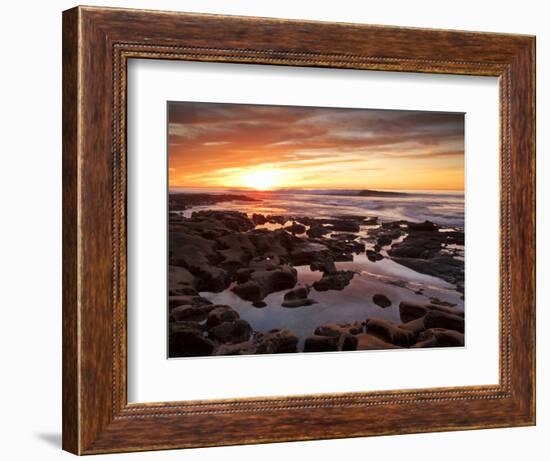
x=279 y=230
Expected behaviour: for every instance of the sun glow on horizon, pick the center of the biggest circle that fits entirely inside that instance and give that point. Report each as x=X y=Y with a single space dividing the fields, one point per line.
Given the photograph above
x=263 y=179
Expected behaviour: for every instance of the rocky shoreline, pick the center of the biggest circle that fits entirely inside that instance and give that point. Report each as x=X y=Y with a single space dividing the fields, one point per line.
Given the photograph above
x=214 y=251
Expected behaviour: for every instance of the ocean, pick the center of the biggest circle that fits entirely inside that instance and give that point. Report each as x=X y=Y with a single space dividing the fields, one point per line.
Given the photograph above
x=445 y=208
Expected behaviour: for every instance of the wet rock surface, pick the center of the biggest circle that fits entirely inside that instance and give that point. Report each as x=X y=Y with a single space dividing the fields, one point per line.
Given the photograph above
x=381 y=300
x=229 y=251
x=298 y=297
x=334 y=281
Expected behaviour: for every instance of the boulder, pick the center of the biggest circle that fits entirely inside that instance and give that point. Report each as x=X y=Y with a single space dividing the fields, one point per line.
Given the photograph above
x=422 y=226
x=439 y=319
x=317 y=231
x=278 y=242
x=410 y=311
x=381 y=300
x=232 y=220
x=263 y=282
x=337 y=329
x=295 y=228
x=347 y=342
x=306 y=253
x=266 y=261
x=235 y=331
x=243 y=348
x=336 y=281
x=439 y=337
x=276 y=341
x=321 y=343
x=188 y=342
x=415 y=326
x=221 y=314
x=180 y=281
x=237 y=250
x=415 y=247
x=258 y=219
x=325 y=265
x=297 y=297
x=374 y=256
x=193 y=300
x=345 y=225
x=198 y=255
x=189 y=312
x=298 y=303
x=366 y=342
x=390 y=332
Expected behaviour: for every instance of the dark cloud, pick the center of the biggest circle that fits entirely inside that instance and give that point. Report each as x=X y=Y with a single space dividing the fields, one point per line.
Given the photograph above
x=203 y=136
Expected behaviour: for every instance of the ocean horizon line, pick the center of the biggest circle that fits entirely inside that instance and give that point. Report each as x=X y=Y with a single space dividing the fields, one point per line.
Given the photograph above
x=319 y=190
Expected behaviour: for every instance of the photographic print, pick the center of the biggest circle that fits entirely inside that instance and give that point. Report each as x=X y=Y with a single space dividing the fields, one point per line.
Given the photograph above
x=311 y=229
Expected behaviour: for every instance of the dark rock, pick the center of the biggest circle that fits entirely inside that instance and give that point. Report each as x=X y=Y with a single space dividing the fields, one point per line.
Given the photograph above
x=258 y=219
x=325 y=265
x=233 y=220
x=415 y=326
x=221 y=314
x=180 y=300
x=422 y=226
x=336 y=281
x=374 y=256
x=381 y=300
x=345 y=225
x=237 y=250
x=447 y=309
x=264 y=282
x=243 y=348
x=367 y=342
x=444 y=267
x=189 y=312
x=299 y=292
x=410 y=311
x=243 y=275
x=390 y=332
x=438 y=319
x=188 y=342
x=371 y=221
x=317 y=231
x=187 y=324
x=182 y=201
x=337 y=329
x=198 y=255
x=439 y=337
x=265 y=262
x=295 y=228
x=235 y=331
x=297 y=297
x=347 y=342
x=180 y=281
x=321 y=343
x=424 y=248
x=298 y=303
x=277 y=219
x=276 y=342
x=278 y=242
x=307 y=252
x=259 y=304
x=441 y=303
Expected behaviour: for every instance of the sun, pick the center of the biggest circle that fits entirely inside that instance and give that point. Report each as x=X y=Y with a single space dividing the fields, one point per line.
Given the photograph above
x=261 y=179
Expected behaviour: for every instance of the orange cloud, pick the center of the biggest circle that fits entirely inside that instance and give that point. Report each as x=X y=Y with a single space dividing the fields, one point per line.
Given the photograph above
x=217 y=145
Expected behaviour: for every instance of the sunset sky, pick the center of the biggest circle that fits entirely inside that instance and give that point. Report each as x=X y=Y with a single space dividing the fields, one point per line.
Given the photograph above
x=271 y=147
